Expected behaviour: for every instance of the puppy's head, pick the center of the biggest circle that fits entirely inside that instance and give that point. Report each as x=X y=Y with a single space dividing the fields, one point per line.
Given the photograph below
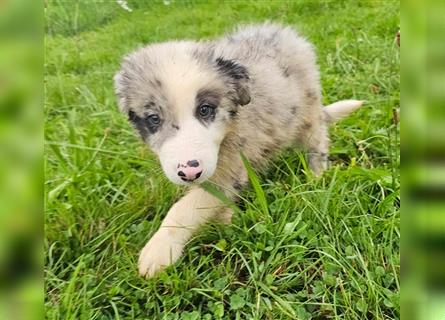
x=182 y=99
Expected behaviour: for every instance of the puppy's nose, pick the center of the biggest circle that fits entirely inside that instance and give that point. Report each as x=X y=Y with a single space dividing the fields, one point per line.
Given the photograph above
x=190 y=171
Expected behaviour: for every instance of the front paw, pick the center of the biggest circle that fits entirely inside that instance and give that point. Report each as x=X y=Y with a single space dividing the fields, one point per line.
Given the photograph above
x=159 y=252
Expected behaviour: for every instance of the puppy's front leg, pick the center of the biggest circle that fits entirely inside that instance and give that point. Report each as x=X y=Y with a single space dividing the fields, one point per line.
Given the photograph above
x=182 y=220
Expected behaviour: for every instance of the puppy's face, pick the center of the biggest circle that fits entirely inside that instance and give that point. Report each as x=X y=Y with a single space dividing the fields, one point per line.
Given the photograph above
x=182 y=100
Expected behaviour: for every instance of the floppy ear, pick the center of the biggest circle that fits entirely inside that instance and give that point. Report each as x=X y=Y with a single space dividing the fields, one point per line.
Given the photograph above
x=239 y=77
x=119 y=89
x=123 y=80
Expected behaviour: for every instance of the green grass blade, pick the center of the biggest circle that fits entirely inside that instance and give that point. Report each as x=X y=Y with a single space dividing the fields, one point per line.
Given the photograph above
x=255 y=181
x=213 y=190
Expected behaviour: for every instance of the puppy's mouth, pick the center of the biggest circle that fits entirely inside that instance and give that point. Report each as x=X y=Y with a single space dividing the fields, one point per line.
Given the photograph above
x=195 y=179
x=188 y=170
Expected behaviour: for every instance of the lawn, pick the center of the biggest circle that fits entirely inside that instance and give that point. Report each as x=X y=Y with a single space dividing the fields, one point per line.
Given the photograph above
x=319 y=248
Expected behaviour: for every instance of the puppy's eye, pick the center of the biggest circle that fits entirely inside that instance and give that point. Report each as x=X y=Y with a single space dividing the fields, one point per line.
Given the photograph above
x=154 y=120
x=206 y=110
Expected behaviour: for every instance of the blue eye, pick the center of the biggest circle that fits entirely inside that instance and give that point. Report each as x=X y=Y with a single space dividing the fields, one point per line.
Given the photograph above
x=206 y=110
x=154 y=120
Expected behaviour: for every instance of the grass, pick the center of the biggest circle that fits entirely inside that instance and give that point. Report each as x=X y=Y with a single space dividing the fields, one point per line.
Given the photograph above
x=298 y=247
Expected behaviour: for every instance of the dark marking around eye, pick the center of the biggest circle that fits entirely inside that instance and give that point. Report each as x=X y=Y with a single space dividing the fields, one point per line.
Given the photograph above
x=132 y=116
x=144 y=127
x=153 y=127
x=209 y=98
x=139 y=124
x=151 y=104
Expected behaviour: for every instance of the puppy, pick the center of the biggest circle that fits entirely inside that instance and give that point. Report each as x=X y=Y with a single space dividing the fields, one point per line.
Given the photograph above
x=198 y=105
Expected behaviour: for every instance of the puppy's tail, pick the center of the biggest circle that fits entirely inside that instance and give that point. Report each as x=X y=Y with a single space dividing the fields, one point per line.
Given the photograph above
x=340 y=109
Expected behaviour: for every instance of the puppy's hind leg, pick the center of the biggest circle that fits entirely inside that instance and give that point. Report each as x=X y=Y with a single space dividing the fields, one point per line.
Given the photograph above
x=317 y=141
x=317 y=146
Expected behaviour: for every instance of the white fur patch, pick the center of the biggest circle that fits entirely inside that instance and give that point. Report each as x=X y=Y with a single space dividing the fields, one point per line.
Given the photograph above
x=193 y=141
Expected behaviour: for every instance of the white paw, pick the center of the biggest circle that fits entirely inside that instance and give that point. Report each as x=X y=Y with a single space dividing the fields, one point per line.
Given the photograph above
x=159 y=252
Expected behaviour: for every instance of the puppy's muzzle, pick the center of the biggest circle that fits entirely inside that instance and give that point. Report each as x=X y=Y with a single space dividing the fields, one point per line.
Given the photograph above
x=190 y=171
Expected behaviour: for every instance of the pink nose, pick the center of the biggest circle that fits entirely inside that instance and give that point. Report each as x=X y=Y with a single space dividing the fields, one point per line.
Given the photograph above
x=190 y=171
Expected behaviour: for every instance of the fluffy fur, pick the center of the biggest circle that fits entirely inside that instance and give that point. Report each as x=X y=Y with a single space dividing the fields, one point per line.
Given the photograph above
x=262 y=86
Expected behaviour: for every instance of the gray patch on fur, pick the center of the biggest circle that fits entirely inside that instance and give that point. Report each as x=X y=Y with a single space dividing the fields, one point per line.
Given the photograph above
x=209 y=96
x=239 y=75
